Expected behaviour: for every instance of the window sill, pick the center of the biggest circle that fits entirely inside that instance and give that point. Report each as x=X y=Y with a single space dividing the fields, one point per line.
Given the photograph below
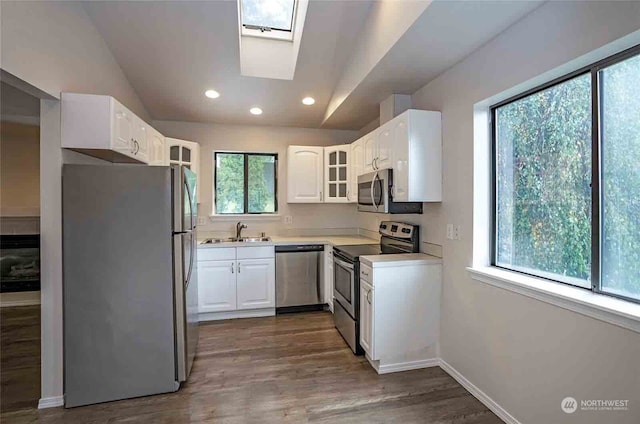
x=245 y=217
x=602 y=307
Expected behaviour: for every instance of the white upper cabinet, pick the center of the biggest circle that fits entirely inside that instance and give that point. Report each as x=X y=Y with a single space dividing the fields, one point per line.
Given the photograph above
x=305 y=182
x=417 y=156
x=411 y=145
x=157 y=153
x=370 y=148
x=140 y=139
x=102 y=127
x=122 y=123
x=357 y=168
x=185 y=153
x=385 y=147
x=336 y=173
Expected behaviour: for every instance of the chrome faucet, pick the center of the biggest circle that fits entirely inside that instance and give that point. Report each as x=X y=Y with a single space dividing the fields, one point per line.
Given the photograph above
x=239 y=227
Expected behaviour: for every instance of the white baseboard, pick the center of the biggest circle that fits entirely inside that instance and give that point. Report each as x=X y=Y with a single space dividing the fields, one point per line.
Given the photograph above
x=478 y=394
x=19 y=299
x=51 y=402
x=249 y=313
x=403 y=366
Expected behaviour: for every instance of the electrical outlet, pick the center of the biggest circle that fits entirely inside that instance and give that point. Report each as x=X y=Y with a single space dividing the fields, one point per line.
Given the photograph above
x=288 y=220
x=202 y=220
x=456 y=233
x=449 y=231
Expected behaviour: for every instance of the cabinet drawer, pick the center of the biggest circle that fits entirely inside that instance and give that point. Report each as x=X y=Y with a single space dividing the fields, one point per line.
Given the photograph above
x=256 y=252
x=216 y=254
x=366 y=273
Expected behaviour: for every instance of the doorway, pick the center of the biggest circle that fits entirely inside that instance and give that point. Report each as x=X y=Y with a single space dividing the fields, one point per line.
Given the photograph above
x=19 y=249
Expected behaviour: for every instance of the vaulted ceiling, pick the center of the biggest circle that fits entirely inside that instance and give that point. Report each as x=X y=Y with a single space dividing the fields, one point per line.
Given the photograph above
x=173 y=51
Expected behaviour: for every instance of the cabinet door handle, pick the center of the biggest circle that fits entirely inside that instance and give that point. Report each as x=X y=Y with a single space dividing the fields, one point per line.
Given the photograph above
x=365 y=273
x=232 y=268
x=238 y=267
x=321 y=196
x=368 y=298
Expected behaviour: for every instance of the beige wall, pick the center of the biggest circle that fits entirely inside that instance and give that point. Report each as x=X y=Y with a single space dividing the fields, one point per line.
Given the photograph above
x=264 y=139
x=525 y=354
x=19 y=169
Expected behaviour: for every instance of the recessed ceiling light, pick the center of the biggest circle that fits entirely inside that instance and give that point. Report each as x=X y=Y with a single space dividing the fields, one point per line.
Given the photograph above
x=255 y=111
x=308 y=101
x=212 y=94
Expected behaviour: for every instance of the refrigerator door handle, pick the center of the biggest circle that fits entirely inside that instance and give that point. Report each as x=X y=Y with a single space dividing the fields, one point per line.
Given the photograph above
x=190 y=260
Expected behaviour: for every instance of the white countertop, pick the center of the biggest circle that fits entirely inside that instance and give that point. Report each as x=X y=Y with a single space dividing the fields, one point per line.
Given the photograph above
x=285 y=240
x=403 y=259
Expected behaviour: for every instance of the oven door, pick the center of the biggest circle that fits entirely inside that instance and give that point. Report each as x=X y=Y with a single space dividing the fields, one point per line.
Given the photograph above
x=344 y=285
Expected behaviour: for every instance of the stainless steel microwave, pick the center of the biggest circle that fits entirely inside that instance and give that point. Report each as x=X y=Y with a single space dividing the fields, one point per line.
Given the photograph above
x=375 y=194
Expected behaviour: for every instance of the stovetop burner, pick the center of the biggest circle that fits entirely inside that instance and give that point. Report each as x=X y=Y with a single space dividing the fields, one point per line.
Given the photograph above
x=396 y=238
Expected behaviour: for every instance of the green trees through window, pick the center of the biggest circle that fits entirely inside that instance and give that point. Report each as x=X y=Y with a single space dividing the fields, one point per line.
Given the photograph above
x=620 y=186
x=245 y=183
x=543 y=180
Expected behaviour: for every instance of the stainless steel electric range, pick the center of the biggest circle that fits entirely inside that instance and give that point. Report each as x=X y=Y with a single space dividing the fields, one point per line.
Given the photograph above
x=396 y=237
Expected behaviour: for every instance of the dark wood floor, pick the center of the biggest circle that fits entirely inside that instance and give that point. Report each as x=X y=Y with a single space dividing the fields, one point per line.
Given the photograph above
x=285 y=369
x=19 y=358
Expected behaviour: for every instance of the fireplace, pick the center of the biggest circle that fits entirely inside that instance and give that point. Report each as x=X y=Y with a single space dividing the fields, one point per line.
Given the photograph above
x=19 y=262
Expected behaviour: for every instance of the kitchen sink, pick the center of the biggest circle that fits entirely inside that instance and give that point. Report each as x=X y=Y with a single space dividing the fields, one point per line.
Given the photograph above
x=254 y=239
x=236 y=240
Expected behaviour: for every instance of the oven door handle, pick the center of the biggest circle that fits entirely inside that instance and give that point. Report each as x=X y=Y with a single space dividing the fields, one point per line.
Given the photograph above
x=343 y=263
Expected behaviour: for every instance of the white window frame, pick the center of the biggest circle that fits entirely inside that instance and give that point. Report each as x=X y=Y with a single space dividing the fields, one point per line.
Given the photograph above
x=271 y=33
x=258 y=216
x=619 y=312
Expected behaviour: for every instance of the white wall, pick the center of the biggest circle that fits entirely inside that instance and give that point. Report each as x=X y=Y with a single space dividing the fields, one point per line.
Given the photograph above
x=55 y=47
x=385 y=24
x=263 y=139
x=525 y=354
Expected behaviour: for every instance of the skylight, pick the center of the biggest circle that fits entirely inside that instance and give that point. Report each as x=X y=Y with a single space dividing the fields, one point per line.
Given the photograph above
x=268 y=15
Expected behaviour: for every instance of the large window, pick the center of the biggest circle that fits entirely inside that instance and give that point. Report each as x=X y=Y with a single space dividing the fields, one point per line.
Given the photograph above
x=567 y=179
x=245 y=183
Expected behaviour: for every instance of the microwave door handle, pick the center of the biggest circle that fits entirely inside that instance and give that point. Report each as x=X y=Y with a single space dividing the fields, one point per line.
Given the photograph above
x=373 y=198
x=376 y=178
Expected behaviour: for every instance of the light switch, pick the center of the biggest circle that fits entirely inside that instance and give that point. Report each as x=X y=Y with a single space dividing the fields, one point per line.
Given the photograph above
x=202 y=220
x=450 y=231
x=288 y=220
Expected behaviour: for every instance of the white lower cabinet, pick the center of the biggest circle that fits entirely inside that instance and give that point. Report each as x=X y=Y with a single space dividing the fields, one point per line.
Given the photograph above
x=256 y=284
x=236 y=282
x=400 y=313
x=328 y=276
x=216 y=286
x=366 y=318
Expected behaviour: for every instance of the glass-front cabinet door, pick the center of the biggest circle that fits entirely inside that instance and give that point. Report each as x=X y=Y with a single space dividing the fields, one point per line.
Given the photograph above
x=336 y=177
x=183 y=152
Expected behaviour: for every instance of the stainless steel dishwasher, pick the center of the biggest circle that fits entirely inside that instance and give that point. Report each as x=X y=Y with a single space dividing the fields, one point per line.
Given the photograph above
x=299 y=278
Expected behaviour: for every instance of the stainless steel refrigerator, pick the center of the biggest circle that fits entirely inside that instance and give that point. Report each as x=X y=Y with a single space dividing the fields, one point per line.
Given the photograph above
x=130 y=283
